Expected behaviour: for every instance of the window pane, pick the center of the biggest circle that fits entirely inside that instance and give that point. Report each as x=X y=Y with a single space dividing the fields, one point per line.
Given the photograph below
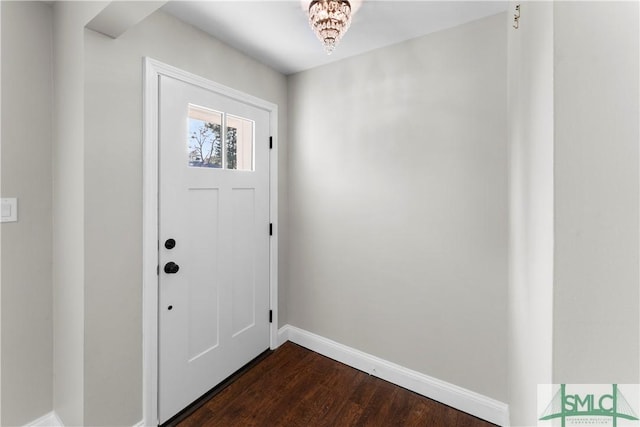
x=239 y=143
x=204 y=139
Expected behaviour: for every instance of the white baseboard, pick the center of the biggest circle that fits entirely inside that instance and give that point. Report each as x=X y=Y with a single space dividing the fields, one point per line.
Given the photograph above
x=52 y=420
x=283 y=334
x=49 y=420
x=459 y=398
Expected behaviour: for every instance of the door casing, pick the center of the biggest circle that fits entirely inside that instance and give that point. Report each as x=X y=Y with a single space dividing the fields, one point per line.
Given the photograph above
x=152 y=69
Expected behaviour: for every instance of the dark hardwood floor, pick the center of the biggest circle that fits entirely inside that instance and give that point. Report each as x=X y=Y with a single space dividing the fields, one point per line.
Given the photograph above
x=296 y=387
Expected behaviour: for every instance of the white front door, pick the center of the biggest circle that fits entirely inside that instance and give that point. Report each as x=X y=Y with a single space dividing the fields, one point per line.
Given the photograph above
x=214 y=240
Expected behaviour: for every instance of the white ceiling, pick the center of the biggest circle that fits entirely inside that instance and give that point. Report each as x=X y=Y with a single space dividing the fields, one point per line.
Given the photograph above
x=277 y=32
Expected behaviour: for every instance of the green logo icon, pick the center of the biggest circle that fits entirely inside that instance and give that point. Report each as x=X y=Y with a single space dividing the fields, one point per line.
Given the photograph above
x=588 y=406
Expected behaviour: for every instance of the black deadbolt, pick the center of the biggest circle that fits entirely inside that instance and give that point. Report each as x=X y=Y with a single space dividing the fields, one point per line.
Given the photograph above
x=170 y=244
x=171 y=267
x=170 y=307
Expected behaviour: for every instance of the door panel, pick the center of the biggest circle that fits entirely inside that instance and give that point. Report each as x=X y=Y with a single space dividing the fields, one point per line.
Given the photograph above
x=214 y=201
x=243 y=261
x=201 y=238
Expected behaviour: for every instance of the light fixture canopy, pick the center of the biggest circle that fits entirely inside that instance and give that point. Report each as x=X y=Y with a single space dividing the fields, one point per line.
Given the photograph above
x=330 y=19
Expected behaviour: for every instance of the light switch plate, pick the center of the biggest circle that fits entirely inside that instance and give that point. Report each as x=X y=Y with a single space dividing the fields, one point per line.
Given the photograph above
x=9 y=209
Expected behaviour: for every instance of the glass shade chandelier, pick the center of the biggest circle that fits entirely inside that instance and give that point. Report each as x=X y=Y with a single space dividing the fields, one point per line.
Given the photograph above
x=329 y=19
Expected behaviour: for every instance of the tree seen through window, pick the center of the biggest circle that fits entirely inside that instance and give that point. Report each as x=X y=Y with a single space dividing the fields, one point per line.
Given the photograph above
x=205 y=145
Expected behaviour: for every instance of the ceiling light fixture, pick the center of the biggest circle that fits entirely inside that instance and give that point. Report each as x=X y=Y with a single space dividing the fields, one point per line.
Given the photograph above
x=330 y=19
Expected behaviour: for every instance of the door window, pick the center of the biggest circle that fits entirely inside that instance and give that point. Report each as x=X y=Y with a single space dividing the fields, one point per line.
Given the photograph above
x=219 y=140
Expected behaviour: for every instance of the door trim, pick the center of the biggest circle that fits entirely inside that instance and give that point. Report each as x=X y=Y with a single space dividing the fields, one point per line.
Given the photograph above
x=152 y=70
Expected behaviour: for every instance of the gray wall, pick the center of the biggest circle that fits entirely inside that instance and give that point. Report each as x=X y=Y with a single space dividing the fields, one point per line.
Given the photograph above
x=69 y=19
x=530 y=81
x=27 y=345
x=398 y=204
x=113 y=193
x=573 y=133
x=596 y=313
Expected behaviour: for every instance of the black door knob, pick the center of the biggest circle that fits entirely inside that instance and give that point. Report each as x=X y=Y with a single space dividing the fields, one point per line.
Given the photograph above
x=171 y=267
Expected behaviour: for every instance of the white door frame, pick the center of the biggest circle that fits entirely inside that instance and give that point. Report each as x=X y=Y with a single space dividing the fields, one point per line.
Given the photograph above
x=152 y=70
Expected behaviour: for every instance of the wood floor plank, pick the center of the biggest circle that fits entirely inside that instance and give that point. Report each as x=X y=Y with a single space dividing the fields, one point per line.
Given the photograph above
x=402 y=408
x=378 y=410
x=250 y=388
x=294 y=386
x=466 y=420
x=418 y=409
x=443 y=416
x=348 y=415
x=364 y=389
x=201 y=417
